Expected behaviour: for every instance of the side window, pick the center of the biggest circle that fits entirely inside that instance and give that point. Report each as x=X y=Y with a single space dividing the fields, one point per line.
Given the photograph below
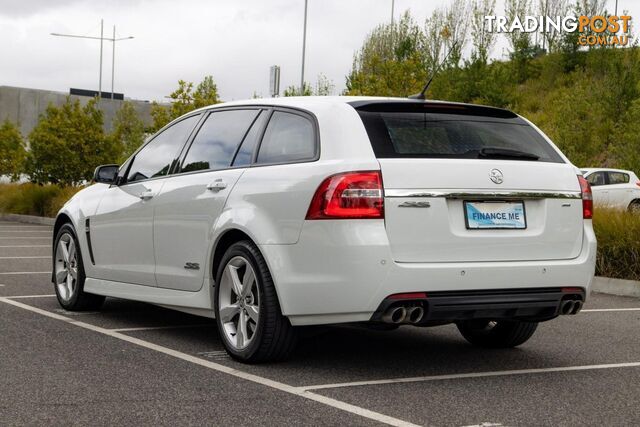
x=596 y=178
x=245 y=153
x=217 y=140
x=156 y=157
x=288 y=138
x=618 y=178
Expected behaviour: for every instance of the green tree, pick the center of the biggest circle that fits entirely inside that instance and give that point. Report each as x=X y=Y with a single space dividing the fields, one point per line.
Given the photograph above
x=206 y=93
x=12 y=150
x=183 y=100
x=68 y=143
x=323 y=87
x=160 y=115
x=295 y=90
x=391 y=62
x=128 y=130
x=626 y=145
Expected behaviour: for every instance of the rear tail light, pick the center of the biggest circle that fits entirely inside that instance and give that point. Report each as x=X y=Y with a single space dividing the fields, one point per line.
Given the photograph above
x=638 y=183
x=587 y=198
x=349 y=195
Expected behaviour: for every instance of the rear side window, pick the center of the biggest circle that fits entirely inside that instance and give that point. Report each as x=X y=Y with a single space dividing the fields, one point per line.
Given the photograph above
x=155 y=158
x=218 y=139
x=413 y=131
x=618 y=178
x=288 y=138
x=596 y=179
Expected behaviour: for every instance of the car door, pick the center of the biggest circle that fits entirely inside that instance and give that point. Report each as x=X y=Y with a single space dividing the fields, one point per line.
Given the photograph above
x=599 y=187
x=191 y=201
x=122 y=227
x=620 y=191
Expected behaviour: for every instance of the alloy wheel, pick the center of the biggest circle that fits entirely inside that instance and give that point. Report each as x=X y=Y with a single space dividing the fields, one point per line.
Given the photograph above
x=66 y=267
x=239 y=302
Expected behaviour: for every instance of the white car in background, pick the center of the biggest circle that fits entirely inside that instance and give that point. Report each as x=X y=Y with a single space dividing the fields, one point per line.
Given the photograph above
x=271 y=214
x=615 y=188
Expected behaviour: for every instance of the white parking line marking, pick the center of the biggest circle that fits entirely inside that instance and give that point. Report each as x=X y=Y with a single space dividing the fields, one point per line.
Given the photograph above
x=25 y=231
x=595 y=310
x=29 y=296
x=25 y=257
x=1 y=285
x=473 y=375
x=23 y=237
x=157 y=328
x=26 y=246
x=25 y=272
x=296 y=391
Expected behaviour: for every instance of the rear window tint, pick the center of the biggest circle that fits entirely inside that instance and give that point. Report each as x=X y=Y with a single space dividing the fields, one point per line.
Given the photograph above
x=618 y=178
x=425 y=134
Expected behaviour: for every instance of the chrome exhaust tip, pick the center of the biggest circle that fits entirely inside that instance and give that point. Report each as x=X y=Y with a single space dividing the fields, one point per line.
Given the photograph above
x=577 y=306
x=567 y=307
x=415 y=314
x=395 y=315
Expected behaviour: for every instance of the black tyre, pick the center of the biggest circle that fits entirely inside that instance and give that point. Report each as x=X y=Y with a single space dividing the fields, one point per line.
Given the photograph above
x=634 y=207
x=496 y=334
x=250 y=322
x=68 y=273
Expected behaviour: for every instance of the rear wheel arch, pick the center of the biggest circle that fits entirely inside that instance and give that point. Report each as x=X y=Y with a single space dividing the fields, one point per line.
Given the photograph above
x=634 y=206
x=223 y=243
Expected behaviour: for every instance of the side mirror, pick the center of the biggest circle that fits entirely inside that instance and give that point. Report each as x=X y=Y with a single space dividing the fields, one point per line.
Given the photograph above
x=106 y=174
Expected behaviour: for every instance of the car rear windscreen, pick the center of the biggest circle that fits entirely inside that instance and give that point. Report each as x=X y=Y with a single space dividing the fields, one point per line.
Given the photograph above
x=419 y=130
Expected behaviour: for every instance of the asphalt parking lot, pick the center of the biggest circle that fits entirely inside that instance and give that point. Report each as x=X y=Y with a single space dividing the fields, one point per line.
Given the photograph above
x=134 y=363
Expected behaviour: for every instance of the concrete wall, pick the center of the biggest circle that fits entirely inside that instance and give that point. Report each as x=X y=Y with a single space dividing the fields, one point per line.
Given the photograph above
x=24 y=106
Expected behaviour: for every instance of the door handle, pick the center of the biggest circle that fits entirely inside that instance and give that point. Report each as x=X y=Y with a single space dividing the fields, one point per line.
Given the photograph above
x=146 y=195
x=217 y=185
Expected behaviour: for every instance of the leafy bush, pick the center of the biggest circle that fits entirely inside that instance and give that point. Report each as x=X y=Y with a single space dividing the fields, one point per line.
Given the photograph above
x=618 y=234
x=33 y=199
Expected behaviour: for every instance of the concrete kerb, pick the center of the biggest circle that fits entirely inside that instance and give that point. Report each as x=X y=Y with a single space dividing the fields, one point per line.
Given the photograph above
x=625 y=288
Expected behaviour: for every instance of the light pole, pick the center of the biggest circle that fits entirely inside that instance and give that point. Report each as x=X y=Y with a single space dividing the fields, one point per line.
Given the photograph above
x=393 y=5
x=304 y=45
x=102 y=38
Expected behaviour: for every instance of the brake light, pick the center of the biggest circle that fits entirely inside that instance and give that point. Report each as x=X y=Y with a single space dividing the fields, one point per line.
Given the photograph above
x=638 y=183
x=349 y=195
x=587 y=198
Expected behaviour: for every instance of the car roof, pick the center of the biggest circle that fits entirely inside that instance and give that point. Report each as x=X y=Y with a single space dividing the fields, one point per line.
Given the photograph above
x=309 y=102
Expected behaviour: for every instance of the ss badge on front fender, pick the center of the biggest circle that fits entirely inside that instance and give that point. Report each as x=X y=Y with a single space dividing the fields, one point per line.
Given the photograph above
x=192 y=266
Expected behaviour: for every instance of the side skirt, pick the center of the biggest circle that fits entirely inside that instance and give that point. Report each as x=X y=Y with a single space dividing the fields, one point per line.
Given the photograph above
x=196 y=302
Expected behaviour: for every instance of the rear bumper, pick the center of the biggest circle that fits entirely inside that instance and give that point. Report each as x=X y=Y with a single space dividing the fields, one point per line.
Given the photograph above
x=529 y=304
x=342 y=271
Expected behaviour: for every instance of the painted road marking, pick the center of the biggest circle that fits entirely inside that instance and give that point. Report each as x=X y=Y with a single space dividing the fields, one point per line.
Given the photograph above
x=26 y=246
x=473 y=375
x=23 y=237
x=25 y=231
x=595 y=310
x=25 y=257
x=29 y=296
x=157 y=328
x=25 y=272
x=296 y=391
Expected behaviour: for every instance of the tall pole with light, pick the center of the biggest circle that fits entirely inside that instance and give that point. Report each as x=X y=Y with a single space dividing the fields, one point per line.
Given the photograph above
x=304 y=45
x=102 y=38
x=393 y=5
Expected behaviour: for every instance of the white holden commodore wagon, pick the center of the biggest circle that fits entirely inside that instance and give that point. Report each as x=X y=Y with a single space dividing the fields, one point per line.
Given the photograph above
x=272 y=214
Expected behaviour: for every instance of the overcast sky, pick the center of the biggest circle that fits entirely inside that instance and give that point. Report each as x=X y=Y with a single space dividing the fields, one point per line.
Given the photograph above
x=236 y=41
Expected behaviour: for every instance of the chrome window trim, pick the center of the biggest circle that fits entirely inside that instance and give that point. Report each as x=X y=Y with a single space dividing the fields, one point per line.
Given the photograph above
x=497 y=195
